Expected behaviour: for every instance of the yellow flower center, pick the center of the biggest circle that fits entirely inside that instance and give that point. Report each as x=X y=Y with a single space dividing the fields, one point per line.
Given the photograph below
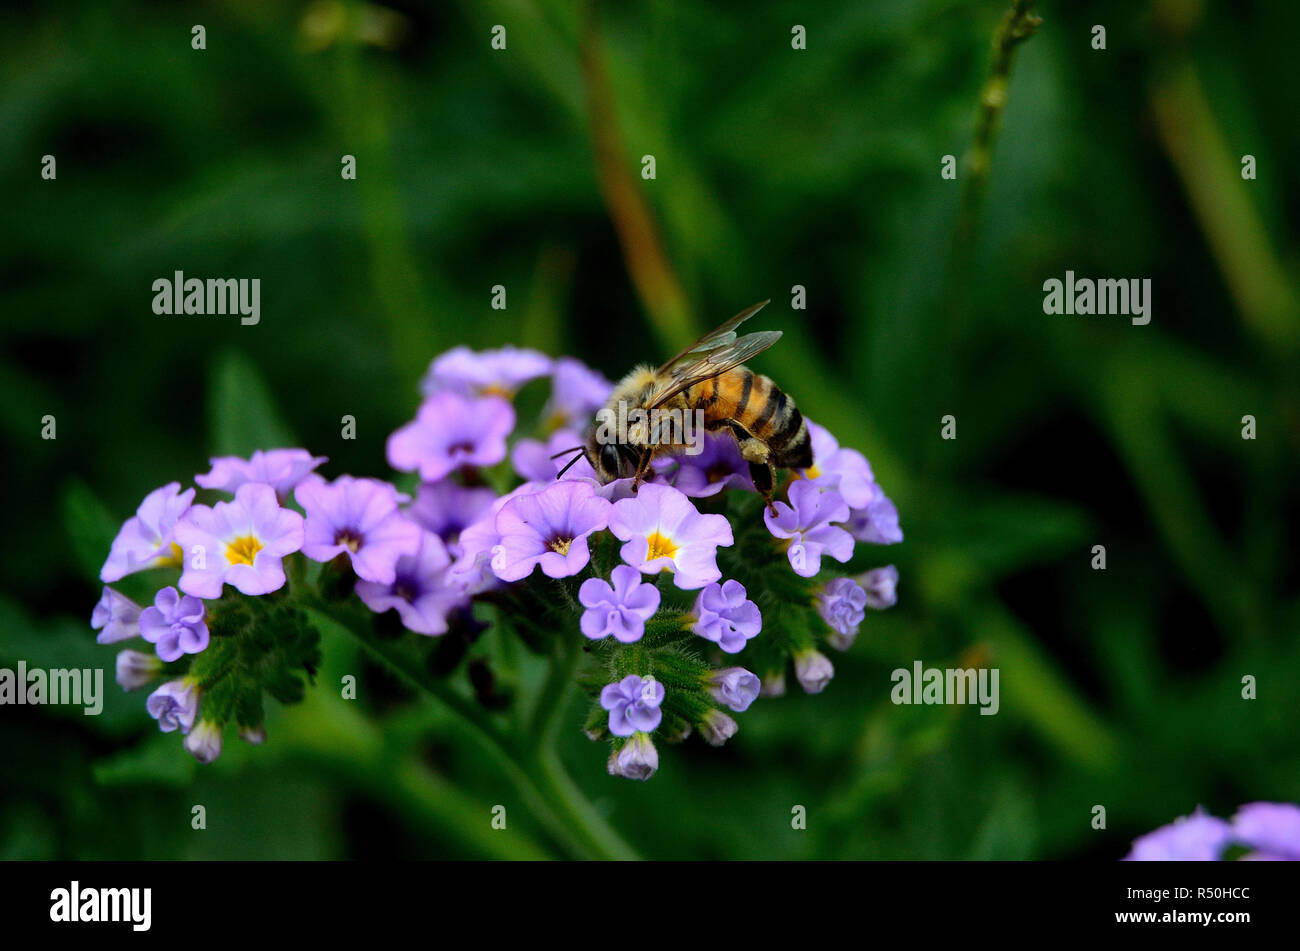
x=174 y=558
x=561 y=545
x=242 y=551
x=659 y=547
x=348 y=540
x=811 y=472
x=495 y=389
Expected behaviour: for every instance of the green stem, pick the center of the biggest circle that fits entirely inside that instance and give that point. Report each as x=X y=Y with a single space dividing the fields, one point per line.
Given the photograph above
x=551 y=705
x=579 y=809
x=1018 y=25
x=546 y=790
x=553 y=698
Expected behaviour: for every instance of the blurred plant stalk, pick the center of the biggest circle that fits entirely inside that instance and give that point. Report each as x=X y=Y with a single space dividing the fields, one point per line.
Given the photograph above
x=643 y=248
x=1210 y=173
x=1017 y=25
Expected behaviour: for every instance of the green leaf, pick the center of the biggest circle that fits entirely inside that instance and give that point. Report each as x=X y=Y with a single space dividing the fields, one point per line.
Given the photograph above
x=241 y=414
x=90 y=528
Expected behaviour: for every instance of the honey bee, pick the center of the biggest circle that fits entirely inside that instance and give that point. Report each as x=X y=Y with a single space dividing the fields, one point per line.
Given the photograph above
x=707 y=376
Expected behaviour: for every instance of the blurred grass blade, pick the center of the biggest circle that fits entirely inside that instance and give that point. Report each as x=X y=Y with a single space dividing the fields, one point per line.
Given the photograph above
x=241 y=414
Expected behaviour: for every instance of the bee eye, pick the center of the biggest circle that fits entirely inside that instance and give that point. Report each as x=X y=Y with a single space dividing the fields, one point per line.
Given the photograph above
x=609 y=459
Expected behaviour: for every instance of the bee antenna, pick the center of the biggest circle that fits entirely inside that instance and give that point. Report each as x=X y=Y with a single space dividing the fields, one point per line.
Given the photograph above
x=568 y=465
x=565 y=452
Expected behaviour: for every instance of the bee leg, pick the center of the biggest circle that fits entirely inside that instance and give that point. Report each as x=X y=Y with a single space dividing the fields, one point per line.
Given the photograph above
x=764 y=477
x=642 y=465
x=759 y=456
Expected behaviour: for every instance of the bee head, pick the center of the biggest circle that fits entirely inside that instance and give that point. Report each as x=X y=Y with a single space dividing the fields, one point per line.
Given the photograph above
x=611 y=460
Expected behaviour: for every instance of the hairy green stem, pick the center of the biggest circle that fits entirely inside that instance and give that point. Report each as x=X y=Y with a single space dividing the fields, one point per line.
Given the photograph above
x=1018 y=25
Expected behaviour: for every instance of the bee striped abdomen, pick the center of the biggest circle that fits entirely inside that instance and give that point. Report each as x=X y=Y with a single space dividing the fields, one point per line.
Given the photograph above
x=762 y=409
x=779 y=423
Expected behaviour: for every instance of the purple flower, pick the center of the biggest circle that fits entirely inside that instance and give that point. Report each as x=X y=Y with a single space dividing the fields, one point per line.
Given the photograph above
x=1199 y=837
x=451 y=431
x=840 y=603
x=716 y=727
x=145 y=541
x=240 y=543
x=1272 y=829
x=447 y=508
x=880 y=584
x=473 y=567
x=204 y=741
x=499 y=372
x=422 y=590
x=718 y=466
x=118 y=615
x=813 y=670
x=135 y=669
x=663 y=531
x=174 y=705
x=872 y=516
x=633 y=704
x=577 y=391
x=733 y=687
x=807 y=523
x=845 y=470
x=281 y=469
x=635 y=759
x=621 y=608
x=725 y=616
x=359 y=518
x=174 y=625
x=548 y=528
x=877 y=523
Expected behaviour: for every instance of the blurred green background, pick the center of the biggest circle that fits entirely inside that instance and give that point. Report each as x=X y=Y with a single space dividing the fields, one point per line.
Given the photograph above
x=775 y=167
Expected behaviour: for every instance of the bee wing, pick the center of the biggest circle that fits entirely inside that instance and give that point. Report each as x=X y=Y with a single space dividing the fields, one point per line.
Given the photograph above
x=714 y=362
x=718 y=337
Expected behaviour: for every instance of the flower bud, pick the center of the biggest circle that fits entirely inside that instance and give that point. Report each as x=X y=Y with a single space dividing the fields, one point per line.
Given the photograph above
x=175 y=704
x=135 y=669
x=637 y=759
x=840 y=602
x=733 y=687
x=116 y=617
x=256 y=735
x=814 y=670
x=880 y=584
x=773 y=684
x=204 y=741
x=717 y=728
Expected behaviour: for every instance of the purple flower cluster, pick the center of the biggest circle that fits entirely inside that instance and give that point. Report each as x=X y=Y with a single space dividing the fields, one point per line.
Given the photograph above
x=1267 y=831
x=637 y=576
x=237 y=547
